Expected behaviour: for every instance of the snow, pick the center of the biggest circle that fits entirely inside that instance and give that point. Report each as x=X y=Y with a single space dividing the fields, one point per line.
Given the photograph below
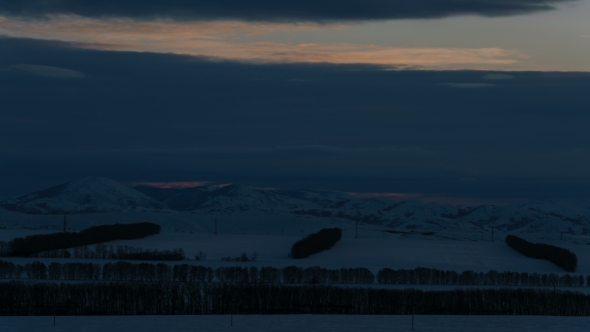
x=253 y=220
x=373 y=250
x=340 y=323
x=92 y=194
x=271 y=235
x=259 y=209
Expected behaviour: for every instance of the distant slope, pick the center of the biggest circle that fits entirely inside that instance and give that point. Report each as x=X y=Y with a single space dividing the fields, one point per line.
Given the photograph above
x=255 y=206
x=183 y=199
x=87 y=195
x=539 y=217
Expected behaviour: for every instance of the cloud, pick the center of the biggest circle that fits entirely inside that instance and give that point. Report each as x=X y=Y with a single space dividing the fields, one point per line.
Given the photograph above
x=304 y=151
x=497 y=76
x=273 y=10
x=47 y=71
x=216 y=40
x=468 y=85
x=354 y=127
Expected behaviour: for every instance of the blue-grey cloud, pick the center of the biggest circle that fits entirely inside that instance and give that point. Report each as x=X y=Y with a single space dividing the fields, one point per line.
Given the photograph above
x=468 y=85
x=146 y=116
x=276 y=10
x=46 y=71
x=497 y=76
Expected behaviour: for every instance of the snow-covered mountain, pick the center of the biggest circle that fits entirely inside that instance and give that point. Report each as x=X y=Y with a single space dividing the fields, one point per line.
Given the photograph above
x=87 y=195
x=251 y=205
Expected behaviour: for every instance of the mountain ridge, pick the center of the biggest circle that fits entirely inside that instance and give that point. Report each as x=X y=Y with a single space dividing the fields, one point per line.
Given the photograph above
x=95 y=194
x=87 y=195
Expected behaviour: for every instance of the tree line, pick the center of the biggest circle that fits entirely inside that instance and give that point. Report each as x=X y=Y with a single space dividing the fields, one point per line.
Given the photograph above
x=161 y=272
x=169 y=298
x=426 y=276
x=242 y=258
x=561 y=257
x=34 y=244
x=103 y=251
x=316 y=242
x=126 y=271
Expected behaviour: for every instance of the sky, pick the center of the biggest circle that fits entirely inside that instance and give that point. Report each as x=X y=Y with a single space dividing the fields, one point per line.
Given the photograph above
x=481 y=101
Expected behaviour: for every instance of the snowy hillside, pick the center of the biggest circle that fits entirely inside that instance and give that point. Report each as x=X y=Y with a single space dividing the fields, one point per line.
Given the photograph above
x=88 y=195
x=255 y=209
x=542 y=217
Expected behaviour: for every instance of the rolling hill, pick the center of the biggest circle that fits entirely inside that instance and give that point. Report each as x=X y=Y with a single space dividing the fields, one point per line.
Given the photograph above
x=255 y=208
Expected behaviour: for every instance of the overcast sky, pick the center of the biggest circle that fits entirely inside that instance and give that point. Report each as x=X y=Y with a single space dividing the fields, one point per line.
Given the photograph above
x=448 y=100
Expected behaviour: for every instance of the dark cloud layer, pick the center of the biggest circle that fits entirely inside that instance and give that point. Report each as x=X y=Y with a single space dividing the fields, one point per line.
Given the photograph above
x=276 y=10
x=158 y=117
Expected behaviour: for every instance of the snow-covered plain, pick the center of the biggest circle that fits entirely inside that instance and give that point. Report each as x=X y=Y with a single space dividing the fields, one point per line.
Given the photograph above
x=250 y=220
x=373 y=249
x=249 y=209
x=257 y=323
x=270 y=233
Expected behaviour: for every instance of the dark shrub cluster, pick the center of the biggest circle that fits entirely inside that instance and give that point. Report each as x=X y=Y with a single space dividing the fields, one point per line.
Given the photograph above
x=200 y=256
x=34 y=244
x=561 y=257
x=317 y=242
x=196 y=298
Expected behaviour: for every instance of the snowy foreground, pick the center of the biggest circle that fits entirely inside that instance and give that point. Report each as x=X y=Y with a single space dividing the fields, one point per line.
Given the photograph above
x=372 y=250
x=294 y=323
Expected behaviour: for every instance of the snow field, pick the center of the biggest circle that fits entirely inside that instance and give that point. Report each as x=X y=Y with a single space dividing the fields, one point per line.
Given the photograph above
x=393 y=251
x=319 y=323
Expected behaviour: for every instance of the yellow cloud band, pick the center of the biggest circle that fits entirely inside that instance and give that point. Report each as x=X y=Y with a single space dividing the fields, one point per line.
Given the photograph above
x=220 y=39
